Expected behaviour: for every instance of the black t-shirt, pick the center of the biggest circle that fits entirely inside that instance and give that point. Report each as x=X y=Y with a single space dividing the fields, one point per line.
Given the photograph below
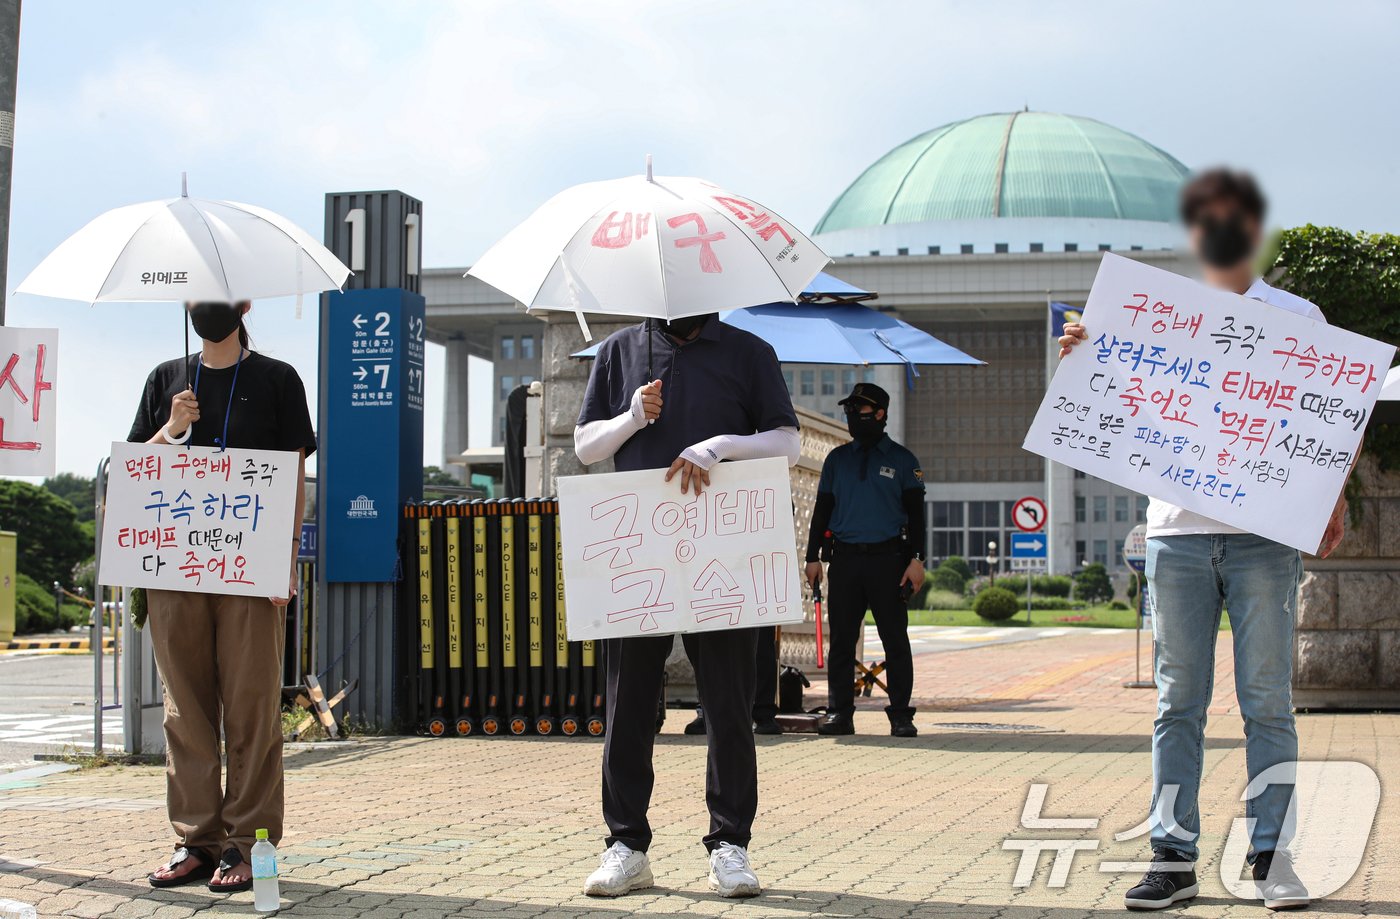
x=269 y=410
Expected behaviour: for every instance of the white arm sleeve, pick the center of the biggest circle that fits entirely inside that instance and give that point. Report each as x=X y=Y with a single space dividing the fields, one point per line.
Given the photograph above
x=782 y=442
x=598 y=440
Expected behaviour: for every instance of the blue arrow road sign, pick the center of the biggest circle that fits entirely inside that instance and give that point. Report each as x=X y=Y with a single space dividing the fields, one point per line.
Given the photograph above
x=1028 y=545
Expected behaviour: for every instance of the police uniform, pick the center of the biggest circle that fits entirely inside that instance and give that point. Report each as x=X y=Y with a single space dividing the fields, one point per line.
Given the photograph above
x=869 y=523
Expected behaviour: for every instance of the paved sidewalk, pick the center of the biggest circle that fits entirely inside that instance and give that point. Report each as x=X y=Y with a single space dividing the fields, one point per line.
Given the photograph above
x=858 y=827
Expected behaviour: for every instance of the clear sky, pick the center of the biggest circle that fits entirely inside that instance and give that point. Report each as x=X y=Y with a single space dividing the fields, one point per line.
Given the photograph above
x=485 y=109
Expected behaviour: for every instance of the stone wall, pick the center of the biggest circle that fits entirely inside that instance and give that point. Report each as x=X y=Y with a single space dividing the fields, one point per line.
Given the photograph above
x=1348 y=643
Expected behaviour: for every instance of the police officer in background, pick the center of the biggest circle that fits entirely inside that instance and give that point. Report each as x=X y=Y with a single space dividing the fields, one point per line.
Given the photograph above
x=868 y=522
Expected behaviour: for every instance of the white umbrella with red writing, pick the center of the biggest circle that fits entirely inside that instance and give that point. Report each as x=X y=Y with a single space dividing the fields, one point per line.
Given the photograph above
x=661 y=247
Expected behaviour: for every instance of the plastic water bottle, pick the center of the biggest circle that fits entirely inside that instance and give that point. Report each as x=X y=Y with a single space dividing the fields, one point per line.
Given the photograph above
x=266 y=897
x=13 y=909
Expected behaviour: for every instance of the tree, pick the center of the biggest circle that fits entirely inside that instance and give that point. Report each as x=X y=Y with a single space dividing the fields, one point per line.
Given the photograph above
x=1092 y=585
x=1354 y=278
x=51 y=541
x=945 y=578
x=78 y=490
x=434 y=475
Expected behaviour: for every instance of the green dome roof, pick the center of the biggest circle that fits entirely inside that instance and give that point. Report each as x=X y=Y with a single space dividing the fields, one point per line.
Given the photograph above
x=1022 y=164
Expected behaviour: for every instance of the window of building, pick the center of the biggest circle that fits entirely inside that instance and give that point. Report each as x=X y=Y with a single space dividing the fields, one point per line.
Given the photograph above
x=868 y=376
x=828 y=382
x=527 y=347
x=1120 y=508
x=1104 y=247
x=1037 y=247
x=1001 y=248
x=526 y=380
x=848 y=380
x=507 y=384
x=1117 y=551
x=1135 y=248
x=1100 y=508
x=1079 y=552
x=1078 y=508
x=1142 y=508
x=787 y=380
x=902 y=250
x=966 y=248
x=874 y=251
x=946 y=514
x=1071 y=247
x=809 y=383
x=934 y=250
x=1078 y=474
x=1101 y=551
x=508 y=348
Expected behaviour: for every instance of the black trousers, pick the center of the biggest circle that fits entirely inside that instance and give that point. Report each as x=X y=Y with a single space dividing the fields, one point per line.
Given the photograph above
x=725 y=677
x=857 y=583
x=765 y=698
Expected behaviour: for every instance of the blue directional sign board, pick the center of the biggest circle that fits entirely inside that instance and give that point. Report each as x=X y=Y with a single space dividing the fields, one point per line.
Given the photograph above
x=372 y=448
x=1029 y=545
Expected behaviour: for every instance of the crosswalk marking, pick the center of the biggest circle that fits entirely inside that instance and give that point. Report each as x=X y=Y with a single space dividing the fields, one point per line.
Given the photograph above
x=57 y=729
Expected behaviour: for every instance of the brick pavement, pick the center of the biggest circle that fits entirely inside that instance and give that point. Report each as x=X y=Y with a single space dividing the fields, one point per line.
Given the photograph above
x=856 y=827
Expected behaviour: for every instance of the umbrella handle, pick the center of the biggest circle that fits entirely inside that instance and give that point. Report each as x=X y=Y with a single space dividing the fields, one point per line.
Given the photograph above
x=187 y=331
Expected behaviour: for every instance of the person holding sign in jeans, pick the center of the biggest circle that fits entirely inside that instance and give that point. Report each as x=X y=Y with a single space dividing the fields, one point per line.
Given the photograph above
x=220 y=656
x=680 y=397
x=1197 y=566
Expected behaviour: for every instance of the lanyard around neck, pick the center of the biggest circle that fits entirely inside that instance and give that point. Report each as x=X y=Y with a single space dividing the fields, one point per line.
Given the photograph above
x=222 y=442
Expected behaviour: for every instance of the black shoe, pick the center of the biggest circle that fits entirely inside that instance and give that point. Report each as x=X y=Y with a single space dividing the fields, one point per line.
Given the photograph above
x=1276 y=883
x=836 y=725
x=1171 y=879
x=767 y=726
x=697 y=726
x=903 y=727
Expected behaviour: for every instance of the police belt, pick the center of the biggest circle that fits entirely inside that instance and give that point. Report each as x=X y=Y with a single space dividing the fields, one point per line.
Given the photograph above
x=888 y=547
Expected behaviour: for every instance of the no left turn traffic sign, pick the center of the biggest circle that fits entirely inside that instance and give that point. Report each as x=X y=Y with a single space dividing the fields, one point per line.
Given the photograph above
x=1029 y=514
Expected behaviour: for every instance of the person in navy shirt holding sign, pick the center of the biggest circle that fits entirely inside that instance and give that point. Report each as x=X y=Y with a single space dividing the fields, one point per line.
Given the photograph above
x=220 y=656
x=682 y=396
x=868 y=521
x=1195 y=568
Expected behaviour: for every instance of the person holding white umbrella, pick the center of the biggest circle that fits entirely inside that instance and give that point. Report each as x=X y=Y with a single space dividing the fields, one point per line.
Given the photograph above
x=677 y=393
x=219 y=657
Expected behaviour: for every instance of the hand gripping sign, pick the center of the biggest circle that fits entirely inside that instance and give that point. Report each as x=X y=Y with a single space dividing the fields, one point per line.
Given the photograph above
x=640 y=558
x=200 y=520
x=1244 y=412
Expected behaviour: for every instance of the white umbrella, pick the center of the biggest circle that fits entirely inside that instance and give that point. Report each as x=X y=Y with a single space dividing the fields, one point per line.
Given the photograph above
x=186 y=249
x=1390 y=389
x=663 y=247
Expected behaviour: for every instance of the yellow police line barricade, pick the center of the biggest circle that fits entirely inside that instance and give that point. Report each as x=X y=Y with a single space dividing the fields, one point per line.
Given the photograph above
x=486 y=585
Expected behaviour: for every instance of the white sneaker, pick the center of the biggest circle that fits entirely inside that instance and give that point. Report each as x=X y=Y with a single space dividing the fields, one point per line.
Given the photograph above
x=730 y=873
x=621 y=870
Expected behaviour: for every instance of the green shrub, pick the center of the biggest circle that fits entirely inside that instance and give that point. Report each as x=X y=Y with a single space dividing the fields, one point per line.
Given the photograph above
x=1118 y=604
x=34 y=609
x=947 y=580
x=959 y=564
x=1052 y=585
x=995 y=604
x=943 y=599
x=1052 y=603
x=1092 y=585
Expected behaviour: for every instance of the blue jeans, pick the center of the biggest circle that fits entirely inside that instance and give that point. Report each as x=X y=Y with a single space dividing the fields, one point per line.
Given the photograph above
x=1256 y=581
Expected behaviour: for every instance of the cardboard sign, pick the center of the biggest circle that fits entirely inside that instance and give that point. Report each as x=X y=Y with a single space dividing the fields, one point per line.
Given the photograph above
x=28 y=403
x=199 y=519
x=1232 y=408
x=640 y=558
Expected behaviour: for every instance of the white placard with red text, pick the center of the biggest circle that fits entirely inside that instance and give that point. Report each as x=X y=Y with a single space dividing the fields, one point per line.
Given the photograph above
x=640 y=558
x=198 y=519
x=1226 y=406
x=28 y=400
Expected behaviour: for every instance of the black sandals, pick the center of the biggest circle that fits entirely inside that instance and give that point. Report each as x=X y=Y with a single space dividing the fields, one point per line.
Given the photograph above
x=203 y=871
x=231 y=858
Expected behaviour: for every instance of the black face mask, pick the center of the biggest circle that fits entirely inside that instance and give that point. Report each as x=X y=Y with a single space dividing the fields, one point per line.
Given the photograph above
x=684 y=328
x=865 y=428
x=1224 y=243
x=215 y=321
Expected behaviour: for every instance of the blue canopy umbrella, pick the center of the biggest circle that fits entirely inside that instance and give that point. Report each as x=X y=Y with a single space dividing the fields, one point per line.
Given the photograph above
x=838 y=333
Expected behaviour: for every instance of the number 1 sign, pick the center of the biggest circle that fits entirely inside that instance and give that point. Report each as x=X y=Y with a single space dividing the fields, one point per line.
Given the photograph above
x=640 y=558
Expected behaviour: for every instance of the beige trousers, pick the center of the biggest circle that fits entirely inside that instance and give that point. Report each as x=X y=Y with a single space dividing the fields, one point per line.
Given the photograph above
x=220 y=658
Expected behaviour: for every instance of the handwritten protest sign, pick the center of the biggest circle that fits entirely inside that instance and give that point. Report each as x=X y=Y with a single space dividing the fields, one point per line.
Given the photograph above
x=28 y=371
x=200 y=520
x=1226 y=406
x=640 y=558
